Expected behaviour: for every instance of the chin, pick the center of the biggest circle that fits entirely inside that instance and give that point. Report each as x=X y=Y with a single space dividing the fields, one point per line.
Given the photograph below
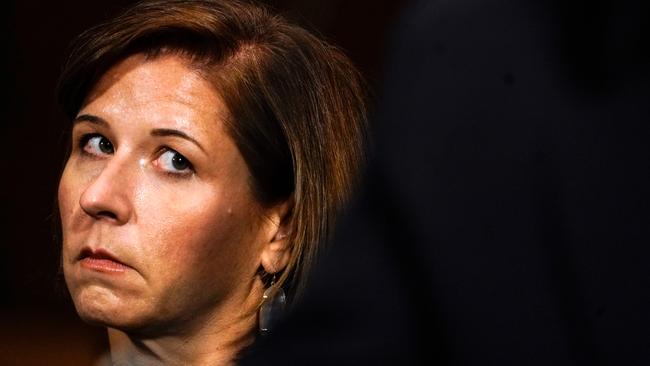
x=100 y=306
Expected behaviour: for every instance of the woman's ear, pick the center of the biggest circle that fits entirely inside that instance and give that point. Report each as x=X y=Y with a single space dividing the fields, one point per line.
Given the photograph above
x=277 y=249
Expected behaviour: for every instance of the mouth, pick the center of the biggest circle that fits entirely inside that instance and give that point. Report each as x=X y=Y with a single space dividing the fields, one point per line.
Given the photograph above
x=101 y=260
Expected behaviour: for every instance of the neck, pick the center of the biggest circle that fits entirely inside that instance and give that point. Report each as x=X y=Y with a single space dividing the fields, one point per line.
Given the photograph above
x=214 y=340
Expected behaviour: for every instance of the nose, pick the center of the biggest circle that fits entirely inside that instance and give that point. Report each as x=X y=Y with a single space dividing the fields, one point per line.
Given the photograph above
x=108 y=195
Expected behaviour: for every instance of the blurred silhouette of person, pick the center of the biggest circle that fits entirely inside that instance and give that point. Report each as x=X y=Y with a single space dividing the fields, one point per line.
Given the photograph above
x=505 y=218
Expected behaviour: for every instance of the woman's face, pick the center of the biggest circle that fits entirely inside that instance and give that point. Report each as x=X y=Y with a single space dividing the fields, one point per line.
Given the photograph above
x=159 y=223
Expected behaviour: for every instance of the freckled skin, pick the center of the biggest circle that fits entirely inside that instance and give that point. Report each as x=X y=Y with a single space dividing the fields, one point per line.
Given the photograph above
x=194 y=242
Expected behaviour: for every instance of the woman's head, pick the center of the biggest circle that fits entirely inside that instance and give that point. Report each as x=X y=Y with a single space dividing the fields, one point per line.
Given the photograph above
x=212 y=142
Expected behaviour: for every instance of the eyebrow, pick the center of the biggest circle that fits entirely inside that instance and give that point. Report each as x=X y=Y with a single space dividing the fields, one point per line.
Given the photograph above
x=89 y=118
x=160 y=132
x=157 y=132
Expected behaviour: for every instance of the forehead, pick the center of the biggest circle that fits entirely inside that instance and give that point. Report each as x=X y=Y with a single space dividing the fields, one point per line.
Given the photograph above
x=164 y=89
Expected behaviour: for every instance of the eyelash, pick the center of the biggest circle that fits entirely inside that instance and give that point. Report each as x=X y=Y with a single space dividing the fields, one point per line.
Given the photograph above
x=84 y=139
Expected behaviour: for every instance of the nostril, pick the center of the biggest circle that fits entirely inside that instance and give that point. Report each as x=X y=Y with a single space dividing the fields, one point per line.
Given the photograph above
x=107 y=214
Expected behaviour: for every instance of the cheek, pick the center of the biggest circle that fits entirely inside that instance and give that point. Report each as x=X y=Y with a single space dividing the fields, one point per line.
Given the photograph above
x=66 y=200
x=66 y=197
x=202 y=236
x=71 y=185
x=194 y=236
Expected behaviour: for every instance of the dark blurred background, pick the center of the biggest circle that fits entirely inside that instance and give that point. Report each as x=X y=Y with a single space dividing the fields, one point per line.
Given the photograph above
x=37 y=320
x=505 y=219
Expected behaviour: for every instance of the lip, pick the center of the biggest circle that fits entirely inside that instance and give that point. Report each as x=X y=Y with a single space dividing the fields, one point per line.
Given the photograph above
x=101 y=260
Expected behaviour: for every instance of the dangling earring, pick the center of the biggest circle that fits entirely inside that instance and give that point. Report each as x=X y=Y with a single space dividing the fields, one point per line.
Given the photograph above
x=273 y=302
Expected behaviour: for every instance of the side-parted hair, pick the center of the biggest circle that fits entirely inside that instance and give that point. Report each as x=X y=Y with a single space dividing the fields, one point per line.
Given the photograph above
x=296 y=104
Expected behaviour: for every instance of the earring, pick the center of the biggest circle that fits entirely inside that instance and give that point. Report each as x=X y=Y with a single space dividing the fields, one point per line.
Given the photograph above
x=273 y=302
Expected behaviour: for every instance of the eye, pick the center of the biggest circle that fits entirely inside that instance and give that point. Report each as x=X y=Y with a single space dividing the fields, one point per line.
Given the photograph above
x=97 y=145
x=174 y=162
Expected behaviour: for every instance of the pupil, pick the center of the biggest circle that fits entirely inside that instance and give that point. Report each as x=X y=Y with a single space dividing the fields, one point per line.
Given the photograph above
x=179 y=162
x=105 y=146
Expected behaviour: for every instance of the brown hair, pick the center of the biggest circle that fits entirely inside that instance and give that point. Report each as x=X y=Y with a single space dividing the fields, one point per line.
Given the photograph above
x=296 y=103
